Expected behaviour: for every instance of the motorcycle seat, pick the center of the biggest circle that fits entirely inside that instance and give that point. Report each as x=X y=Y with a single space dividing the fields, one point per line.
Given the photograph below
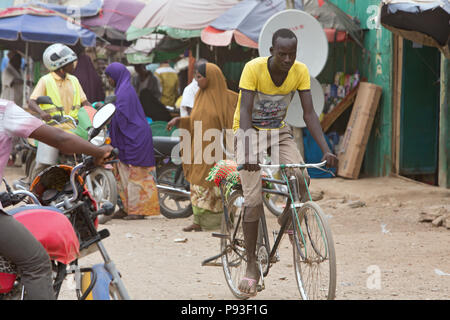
x=164 y=145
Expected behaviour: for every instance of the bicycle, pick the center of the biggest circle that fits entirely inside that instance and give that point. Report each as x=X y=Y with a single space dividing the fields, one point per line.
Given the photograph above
x=311 y=237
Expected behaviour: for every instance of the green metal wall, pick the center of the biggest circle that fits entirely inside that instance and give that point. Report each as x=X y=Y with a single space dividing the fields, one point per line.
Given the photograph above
x=375 y=63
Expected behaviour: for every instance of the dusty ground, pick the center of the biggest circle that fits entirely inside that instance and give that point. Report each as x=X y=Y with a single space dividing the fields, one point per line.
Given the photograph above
x=383 y=251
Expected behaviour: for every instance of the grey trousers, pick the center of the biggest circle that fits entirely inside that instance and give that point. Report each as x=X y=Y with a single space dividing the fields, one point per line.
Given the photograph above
x=19 y=246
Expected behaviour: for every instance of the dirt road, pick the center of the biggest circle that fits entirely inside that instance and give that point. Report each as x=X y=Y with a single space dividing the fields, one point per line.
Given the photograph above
x=383 y=251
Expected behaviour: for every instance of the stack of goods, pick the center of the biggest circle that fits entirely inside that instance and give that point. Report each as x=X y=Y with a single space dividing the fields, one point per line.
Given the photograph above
x=337 y=91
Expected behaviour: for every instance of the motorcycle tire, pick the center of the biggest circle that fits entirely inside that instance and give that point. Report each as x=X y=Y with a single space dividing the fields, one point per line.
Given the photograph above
x=103 y=178
x=166 y=201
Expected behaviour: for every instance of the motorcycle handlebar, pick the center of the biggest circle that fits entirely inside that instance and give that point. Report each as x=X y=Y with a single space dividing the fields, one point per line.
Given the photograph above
x=87 y=164
x=11 y=199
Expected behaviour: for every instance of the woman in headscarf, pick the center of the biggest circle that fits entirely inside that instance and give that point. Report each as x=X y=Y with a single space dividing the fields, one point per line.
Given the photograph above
x=89 y=79
x=131 y=134
x=214 y=106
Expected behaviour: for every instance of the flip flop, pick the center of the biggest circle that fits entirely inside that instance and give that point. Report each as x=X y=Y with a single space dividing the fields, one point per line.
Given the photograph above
x=252 y=283
x=193 y=227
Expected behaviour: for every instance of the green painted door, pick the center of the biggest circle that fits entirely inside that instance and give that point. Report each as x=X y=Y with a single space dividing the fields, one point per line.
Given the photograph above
x=420 y=110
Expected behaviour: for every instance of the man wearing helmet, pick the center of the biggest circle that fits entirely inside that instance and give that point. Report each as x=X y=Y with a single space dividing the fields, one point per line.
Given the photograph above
x=63 y=88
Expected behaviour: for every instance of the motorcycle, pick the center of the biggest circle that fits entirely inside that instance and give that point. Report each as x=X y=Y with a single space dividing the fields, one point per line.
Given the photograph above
x=101 y=182
x=64 y=218
x=173 y=189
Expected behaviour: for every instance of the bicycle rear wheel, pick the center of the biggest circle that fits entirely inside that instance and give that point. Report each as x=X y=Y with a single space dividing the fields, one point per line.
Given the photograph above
x=234 y=255
x=314 y=254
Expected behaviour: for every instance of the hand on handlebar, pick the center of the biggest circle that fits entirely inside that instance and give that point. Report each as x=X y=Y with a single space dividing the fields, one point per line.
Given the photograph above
x=107 y=153
x=45 y=116
x=331 y=159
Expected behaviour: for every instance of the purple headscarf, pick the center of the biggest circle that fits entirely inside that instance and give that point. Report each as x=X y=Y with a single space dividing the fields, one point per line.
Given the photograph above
x=129 y=130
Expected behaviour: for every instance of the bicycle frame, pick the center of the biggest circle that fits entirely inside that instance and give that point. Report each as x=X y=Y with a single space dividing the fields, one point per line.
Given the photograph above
x=291 y=184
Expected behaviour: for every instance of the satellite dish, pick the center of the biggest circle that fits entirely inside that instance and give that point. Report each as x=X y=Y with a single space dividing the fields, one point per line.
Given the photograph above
x=295 y=111
x=312 y=47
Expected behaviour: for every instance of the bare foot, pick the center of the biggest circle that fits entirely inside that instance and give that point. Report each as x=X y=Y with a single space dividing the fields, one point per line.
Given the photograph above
x=248 y=284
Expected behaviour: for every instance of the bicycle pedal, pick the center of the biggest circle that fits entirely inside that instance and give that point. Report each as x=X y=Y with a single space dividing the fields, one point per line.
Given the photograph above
x=220 y=235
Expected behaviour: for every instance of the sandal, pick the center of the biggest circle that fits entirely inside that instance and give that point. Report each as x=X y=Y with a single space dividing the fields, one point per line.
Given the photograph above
x=193 y=227
x=252 y=283
x=133 y=217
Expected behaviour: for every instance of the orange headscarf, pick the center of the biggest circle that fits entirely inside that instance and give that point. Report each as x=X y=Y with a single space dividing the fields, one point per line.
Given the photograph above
x=214 y=106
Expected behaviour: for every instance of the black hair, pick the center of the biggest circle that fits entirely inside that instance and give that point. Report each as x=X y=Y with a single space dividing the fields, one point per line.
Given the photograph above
x=202 y=69
x=199 y=62
x=283 y=33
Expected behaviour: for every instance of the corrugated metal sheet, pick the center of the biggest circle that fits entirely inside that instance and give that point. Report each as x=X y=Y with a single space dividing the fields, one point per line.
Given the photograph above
x=376 y=65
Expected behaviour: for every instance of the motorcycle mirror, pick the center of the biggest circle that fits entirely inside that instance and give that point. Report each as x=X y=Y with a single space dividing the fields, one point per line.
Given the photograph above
x=44 y=100
x=103 y=115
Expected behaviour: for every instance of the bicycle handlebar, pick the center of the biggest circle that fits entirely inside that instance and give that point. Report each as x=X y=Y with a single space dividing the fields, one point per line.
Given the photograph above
x=292 y=165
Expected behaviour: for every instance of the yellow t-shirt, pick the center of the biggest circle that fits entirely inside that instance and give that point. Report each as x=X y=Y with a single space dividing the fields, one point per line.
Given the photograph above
x=169 y=82
x=65 y=92
x=271 y=102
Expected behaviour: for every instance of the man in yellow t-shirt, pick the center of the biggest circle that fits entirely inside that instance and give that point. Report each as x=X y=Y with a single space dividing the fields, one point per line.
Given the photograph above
x=267 y=87
x=168 y=79
x=63 y=88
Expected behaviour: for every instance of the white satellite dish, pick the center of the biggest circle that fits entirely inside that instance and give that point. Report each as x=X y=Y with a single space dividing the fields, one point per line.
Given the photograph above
x=295 y=111
x=312 y=47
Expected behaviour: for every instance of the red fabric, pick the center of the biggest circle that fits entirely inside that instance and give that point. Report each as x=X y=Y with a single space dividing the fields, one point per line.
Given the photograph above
x=54 y=231
x=216 y=37
x=6 y=282
x=341 y=36
x=15 y=11
x=321 y=2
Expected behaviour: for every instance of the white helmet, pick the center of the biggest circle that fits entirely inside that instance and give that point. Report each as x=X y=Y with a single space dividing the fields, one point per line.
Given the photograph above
x=57 y=56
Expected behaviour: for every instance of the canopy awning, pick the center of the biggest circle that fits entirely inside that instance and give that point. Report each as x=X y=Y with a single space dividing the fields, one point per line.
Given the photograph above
x=424 y=22
x=39 y=28
x=177 y=18
x=244 y=22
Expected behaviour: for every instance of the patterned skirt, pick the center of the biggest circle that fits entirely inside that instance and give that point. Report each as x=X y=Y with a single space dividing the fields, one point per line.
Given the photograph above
x=207 y=207
x=137 y=189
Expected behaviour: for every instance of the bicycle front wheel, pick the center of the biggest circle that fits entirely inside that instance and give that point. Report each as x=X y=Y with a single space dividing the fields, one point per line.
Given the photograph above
x=314 y=254
x=234 y=255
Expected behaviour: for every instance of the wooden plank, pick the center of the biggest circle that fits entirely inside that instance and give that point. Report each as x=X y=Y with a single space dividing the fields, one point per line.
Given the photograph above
x=444 y=122
x=332 y=116
x=359 y=125
x=397 y=102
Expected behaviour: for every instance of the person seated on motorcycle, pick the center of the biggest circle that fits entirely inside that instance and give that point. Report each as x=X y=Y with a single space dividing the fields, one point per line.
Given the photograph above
x=60 y=85
x=17 y=244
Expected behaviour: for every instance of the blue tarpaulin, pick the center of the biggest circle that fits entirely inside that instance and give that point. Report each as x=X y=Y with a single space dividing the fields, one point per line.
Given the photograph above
x=40 y=31
x=313 y=154
x=89 y=10
x=50 y=29
x=417 y=7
